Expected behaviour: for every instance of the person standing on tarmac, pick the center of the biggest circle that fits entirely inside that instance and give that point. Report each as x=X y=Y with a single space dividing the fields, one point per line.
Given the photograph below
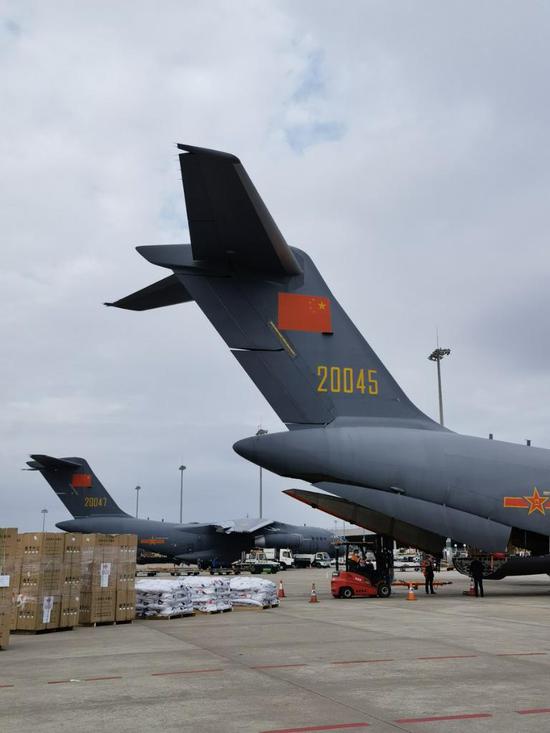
x=476 y=571
x=429 y=577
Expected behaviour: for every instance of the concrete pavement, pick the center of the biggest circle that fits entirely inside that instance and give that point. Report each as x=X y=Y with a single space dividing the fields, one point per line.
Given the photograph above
x=444 y=663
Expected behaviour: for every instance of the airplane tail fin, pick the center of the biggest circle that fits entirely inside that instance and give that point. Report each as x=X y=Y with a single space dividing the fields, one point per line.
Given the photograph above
x=269 y=303
x=76 y=485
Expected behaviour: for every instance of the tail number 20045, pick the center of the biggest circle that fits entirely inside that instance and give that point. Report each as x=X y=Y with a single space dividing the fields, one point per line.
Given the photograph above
x=347 y=380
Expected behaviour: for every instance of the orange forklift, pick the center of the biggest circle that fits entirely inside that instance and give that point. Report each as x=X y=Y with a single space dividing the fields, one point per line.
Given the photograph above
x=356 y=576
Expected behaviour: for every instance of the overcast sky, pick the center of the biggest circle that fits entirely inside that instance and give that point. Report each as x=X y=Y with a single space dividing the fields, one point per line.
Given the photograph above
x=404 y=146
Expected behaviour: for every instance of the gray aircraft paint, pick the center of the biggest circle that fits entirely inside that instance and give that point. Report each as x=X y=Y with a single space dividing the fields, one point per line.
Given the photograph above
x=374 y=447
x=94 y=510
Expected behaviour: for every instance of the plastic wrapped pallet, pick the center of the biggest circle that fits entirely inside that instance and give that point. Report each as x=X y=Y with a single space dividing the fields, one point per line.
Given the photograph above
x=164 y=597
x=209 y=594
x=8 y=548
x=99 y=559
x=40 y=593
x=250 y=591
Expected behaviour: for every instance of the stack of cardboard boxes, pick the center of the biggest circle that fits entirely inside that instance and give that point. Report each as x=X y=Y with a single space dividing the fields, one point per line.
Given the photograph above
x=53 y=580
x=42 y=587
x=126 y=577
x=107 y=591
x=8 y=551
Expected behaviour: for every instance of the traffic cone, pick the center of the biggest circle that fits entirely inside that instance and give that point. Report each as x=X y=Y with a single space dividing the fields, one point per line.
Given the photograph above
x=281 y=590
x=411 y=596
x=313 y=597
x=471 y=590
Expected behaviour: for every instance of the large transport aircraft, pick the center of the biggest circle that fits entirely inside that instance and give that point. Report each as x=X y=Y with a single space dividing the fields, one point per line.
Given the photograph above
x=94 y=510
x=353 y=433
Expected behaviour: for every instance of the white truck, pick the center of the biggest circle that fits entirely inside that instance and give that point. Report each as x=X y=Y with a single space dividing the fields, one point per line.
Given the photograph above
x=312 y=560
x=256 y=561
x=284 y=556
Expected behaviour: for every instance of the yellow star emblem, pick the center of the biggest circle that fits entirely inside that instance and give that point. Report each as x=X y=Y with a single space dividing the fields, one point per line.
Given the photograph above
x=322 y=305
x=536 y=502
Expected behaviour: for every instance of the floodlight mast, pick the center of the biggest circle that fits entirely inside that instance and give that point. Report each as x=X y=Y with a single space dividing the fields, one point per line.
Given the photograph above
x=437 y=355
x=261 y=431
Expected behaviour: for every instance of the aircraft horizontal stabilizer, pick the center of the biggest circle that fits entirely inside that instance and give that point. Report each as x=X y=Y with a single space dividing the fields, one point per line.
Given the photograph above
x=49 y=462
x=168 y=291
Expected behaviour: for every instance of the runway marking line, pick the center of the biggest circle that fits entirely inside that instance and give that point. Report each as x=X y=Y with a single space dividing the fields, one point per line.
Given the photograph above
x=334 y=726
x=58 y=682
x=439 y=718
x=363 y=661
x=533 y=711
x=97 y=679
x=185 y=671
x=284 y=666
x=452 y=656
x=521 y=654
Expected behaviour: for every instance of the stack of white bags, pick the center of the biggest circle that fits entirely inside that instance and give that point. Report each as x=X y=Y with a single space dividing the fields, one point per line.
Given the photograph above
x=181 y=596
x=162 y=597
x=253 y=591
x=209 y=594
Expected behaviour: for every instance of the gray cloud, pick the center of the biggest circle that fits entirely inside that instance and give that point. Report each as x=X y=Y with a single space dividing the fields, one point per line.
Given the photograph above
x=404 y=147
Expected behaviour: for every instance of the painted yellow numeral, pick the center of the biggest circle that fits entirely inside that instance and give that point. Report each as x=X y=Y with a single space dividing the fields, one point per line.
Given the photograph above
x=334 y=379
x=337 y=379
x=322 y=373
x=93 y=502
x=347 y=373
x=373 y=382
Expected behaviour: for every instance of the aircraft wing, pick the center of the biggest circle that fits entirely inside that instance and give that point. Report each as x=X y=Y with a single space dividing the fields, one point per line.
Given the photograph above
x=404 y=517
x=245 y=526
x=403 y=532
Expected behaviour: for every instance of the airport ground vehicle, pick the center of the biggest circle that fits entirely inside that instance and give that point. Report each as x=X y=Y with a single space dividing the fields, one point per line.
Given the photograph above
x=356 y=577
x=312 y=560
x=256 y=562
x=283 y=556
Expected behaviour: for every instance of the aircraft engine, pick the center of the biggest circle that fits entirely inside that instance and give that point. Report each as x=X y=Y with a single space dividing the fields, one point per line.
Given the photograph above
x=278 y=541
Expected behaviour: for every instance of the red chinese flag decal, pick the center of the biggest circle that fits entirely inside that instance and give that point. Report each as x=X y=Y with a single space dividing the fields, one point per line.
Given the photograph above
x=304 y=313
x=81 y=481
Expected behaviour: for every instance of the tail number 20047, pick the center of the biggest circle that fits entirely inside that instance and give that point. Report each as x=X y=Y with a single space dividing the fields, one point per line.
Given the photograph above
x=93 y=502
x=347 y=380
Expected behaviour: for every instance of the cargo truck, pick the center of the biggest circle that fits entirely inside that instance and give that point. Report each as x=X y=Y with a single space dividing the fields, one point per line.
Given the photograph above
x=312 y=560
x=284 y=556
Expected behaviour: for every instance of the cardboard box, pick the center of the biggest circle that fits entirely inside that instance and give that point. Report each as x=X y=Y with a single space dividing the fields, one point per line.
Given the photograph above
x=70 y=609
x=125 y=605
x=126 y=576
x=8 y=543
x=36 y=614
x=42 y=545
x=72 y=548
x=97 y=607
x=4 y=637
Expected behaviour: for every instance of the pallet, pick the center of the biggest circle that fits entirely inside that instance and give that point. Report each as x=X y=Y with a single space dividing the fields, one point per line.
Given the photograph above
x=255 y=608
x=164 y=618
x=41 y=631
x=209 y=613
x=93 y=624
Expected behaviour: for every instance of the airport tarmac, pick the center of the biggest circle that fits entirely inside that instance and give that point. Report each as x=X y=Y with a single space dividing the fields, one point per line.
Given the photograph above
x=443 y=663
